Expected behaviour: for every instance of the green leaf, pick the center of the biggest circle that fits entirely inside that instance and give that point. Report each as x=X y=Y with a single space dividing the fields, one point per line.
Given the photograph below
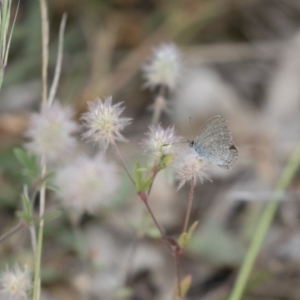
x=153 y=233
x=185 y=285
x=146 y=182
x=182 y=241
x=22 y=156
x=28 y=161
x=192 y=229
x=137 y=176
x=141 y=184
x=185 y=237
x=165 y=161
x=26 y=213
x=26 y=203
x=143 y=169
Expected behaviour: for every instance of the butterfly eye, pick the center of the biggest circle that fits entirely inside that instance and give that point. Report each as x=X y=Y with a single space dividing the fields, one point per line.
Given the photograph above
x=232 y=147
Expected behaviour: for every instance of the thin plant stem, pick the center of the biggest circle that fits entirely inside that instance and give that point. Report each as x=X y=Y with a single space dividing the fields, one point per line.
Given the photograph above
x=13 y=230
x=122 y=162
x=154 y=220
x=32 y=230
x=145 y=195
x=53 y=88
x=264 y=224
x=163 y=236
x=38 y=256
x=144 y=198
x=178 y=278
x=190 y=204
x=33 y=238
x=158 y=105
x=153 y=178
x=134 y=245
x=45 y=44
x=45 y=60
x=5 y=35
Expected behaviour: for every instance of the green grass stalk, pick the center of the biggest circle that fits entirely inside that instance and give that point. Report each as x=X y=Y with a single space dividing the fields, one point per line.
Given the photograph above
x=45 y=59
x=5 y=35
x=264 y=224
x=38 y=256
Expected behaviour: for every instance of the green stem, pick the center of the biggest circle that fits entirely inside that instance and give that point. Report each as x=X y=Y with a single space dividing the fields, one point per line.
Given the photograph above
x=1 y=76
x=37 y=268
x=264 y=224
x=190 y=204
x=38 y=257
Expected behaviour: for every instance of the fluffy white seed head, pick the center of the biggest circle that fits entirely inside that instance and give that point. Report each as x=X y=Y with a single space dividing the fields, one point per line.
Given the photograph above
x=159 y=141
x=188 y=167
x=164 y=67
x=87 y=184
x=15 y=283
x=50 y=132
x=103 y=122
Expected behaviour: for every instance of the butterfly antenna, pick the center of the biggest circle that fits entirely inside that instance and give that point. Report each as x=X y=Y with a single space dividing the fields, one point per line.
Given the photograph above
x=175 y=143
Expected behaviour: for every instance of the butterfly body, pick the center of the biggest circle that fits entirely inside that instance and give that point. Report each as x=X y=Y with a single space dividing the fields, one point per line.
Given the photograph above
x=214 y=143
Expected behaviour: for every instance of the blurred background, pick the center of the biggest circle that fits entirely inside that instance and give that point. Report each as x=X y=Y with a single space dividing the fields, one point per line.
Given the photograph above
x=241 y=60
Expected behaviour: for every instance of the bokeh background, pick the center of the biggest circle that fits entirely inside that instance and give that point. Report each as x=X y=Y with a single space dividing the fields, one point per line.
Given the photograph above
x=241 y=60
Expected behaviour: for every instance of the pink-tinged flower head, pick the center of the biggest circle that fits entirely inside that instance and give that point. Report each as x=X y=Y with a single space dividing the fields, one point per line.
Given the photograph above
x=164 y=67
x=188 y=167
x=50 y=132
x=103 y=122
x=159 y=141
x=87 y=183
x=15 y=283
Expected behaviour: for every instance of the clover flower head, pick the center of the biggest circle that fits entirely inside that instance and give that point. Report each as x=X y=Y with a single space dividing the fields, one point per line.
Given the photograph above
x=50 y=132
x=87 y=183
x=159 y=141
x=188 y=167
x=164 y=67
x=103 y=122
x=15 y=283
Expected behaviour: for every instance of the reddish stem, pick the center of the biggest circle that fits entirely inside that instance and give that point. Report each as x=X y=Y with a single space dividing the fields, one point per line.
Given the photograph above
x=114 y=146
x=171 y=244
x=154 y=173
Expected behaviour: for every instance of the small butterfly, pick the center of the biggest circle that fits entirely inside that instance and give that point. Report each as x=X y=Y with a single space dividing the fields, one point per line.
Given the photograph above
x=214 y=143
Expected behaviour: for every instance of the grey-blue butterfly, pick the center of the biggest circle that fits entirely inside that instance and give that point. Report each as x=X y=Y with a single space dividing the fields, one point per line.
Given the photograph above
x=214 y=143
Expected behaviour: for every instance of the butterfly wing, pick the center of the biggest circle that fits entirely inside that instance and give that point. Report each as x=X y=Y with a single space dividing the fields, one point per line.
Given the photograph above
x=215 y=144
